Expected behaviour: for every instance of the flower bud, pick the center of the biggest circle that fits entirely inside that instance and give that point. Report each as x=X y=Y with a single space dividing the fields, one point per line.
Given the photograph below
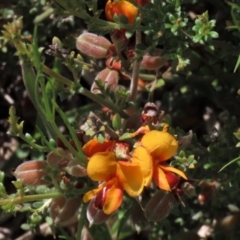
x=55 y=161
x=108 y=77
x=93 y=45
x=119 y=39
x=95 y=215
x=64 y=211
x=56 y=41
x=76 y=169
x=188 y=189
x=184 y=141
x=153 y=62
x=31 y=173
x=159 y=206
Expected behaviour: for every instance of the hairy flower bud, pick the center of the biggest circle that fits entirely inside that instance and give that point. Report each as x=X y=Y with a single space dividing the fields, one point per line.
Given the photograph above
x=188 y=189
x=108 y=77
x=31 y=173
x=57 y=161
x=93 y=45
x=154 y=62
x=95 y=215
x=159 y=206
x=76 y=169
x=64 y=211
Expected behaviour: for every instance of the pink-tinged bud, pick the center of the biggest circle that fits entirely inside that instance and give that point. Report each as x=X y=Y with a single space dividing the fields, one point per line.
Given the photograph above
x=31 y=173
x=93 y=45
x=64 y=211
x=159 y=206
x=95 y=214
x=119 y=39
x=108 y=77
x=55 y=161
x=153 y=62
x=188 y=189
x=76 y=169
x=184 y=141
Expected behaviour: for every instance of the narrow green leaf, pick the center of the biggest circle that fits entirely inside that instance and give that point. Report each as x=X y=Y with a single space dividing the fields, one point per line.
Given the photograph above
x=125 y=136
x=233 y=161
x=237 y=64
x=124 y=219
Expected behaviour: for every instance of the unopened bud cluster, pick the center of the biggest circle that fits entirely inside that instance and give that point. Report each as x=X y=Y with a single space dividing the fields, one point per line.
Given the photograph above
x=99 y=47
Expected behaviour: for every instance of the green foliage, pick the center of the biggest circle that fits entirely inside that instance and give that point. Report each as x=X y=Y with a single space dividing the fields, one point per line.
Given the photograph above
x=198 y=88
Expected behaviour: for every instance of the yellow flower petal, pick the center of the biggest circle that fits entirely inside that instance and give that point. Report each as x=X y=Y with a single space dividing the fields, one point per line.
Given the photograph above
x=130 y=177
x=89 y=195
x=142 y=157
x=174 y=170
x=160 y=179
x=141 y=130
x=114 y=198
x=161 y=145
x=102 y=166
x=94 y=146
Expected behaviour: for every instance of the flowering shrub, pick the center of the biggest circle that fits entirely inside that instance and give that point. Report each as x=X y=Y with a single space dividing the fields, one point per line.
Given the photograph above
x=122 y=161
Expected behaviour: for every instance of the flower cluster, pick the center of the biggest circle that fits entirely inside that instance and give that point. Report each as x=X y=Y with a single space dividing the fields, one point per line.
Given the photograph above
x=116 y=167
x=119 y=57
x=118 y=170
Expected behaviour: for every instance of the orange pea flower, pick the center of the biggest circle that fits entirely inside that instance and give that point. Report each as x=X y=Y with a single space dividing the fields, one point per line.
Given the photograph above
x=116 y=175
x=156 y=148
x=121 y=7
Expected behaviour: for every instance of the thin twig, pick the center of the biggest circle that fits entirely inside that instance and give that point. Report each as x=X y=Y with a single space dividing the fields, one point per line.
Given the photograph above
x=135 y=73
x=108 y=130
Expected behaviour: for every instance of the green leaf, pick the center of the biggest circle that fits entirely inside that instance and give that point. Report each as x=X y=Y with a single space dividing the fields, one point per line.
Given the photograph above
x=37 y=204
x=2 y=175
x=160 y=83
x=231 y=162
x=124 y=219
x=213 y=34
x=116 y=122
x=125 y=136
x=100 y=138
x=171 y=18
x=197 y=38
x=123 y=19
x=237 y=64
x=25 y=226
x=182 y=154
x=167 y=25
